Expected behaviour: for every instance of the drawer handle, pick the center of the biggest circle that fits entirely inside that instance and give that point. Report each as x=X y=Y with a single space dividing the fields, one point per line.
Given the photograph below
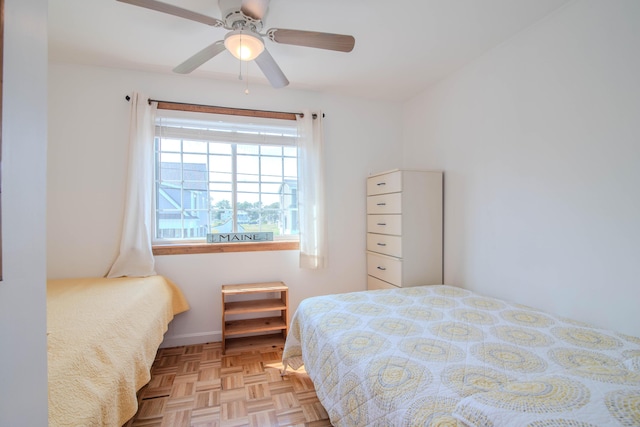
x=381 y=183
x=382 y=204
x=382 y=223
x=381 y=244
x=381 y=268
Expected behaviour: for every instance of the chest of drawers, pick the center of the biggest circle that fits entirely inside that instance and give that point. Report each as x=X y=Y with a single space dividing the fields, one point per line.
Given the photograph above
x=404 y=228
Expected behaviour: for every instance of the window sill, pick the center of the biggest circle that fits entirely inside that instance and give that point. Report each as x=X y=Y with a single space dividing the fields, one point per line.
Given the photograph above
x=212 y=248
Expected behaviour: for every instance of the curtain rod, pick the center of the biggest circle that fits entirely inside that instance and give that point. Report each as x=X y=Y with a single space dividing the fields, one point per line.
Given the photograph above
x=170 y=105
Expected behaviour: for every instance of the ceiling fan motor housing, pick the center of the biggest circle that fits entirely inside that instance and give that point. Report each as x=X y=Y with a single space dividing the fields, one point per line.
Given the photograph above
x=235 y=19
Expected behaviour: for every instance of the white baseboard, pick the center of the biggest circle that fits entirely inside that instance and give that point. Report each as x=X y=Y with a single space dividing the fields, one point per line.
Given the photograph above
x=190 y=339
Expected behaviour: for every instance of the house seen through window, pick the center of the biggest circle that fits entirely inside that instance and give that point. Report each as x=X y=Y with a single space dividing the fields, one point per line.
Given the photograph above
x=223 y=174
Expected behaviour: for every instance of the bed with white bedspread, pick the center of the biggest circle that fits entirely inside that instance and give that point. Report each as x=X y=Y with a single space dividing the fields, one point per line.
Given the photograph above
x=444 y=356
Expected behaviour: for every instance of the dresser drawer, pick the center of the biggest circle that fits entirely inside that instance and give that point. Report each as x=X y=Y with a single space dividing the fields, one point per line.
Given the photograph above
x=384 y=204
x=374 y=283
x=385 y=268
x=385 y=183
x=385 y=224
x=385 y=244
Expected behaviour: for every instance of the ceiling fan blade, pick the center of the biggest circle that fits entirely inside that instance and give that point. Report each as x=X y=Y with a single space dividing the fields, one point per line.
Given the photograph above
x=176 y=11
x=255 y=9
x=329 y=41
x=200 y=58
x=272 y=72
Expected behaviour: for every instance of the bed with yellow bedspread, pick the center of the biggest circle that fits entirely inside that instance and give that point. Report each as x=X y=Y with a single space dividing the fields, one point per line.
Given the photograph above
x=102 y=337
x=444 y=356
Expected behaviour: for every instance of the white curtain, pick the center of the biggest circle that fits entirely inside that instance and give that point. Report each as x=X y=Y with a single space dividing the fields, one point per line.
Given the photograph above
x=313 y=240
x=136 y=257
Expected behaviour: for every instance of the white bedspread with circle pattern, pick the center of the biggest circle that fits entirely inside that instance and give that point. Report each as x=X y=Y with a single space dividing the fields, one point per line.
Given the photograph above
x=444 y=356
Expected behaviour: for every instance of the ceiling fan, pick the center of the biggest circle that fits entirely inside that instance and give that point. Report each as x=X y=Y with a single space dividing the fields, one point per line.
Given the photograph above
x=244 y=20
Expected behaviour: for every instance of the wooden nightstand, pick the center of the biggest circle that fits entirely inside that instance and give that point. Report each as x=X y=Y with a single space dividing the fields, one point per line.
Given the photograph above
x=242 y=333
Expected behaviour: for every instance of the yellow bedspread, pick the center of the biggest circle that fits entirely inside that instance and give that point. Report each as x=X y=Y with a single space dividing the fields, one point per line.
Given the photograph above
x=102 y=337
x=440 y=355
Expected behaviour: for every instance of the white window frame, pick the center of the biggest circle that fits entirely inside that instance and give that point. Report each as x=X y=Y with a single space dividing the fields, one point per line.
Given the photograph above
x=225 y=129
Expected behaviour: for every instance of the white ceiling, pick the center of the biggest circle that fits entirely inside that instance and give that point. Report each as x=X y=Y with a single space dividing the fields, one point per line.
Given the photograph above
x=402 y=46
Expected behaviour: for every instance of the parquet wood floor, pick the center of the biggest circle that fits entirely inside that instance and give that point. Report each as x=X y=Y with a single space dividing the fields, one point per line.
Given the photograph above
x=198 y=386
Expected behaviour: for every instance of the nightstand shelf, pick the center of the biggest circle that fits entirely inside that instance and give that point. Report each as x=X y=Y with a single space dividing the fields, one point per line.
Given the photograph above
x=242 y=332
x=240 y=307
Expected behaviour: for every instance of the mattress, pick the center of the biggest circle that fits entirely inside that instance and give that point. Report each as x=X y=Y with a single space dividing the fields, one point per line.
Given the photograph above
x=441 y=355
x=102 y=337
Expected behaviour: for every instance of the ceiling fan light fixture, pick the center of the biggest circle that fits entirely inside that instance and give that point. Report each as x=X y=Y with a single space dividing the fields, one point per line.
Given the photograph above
x=244 y=45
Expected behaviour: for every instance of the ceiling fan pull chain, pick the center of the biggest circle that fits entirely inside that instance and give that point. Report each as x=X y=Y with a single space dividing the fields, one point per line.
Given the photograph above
x=240 y=59
x=246 y=73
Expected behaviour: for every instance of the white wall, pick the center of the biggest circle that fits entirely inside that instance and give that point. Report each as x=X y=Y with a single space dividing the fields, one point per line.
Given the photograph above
x=23 y=366
x=540 y=141
x=88 y=130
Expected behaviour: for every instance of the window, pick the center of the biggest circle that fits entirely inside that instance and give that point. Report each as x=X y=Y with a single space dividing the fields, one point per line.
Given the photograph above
x=222 y=174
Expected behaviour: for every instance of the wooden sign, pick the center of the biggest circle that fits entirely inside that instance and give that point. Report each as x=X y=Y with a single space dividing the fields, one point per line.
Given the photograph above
x=259 y=236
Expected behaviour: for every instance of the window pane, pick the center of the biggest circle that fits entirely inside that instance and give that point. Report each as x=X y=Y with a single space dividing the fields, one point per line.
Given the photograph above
x=248 y=149
x=291 y=167
x=270 y=178
x=271 y=188
x=225 y=225
x=221 y=164
x=248 y=164
x=196 y=159
x=218 y=148
x=221 y=199
x=271 y=200
x=194 y=147
x=248 y=178
x=220 y=186
x=270 y=150
x=195 y=200
x=248 y=187
x=170 y=157
x=271 y=165
x=170 y=171
x=170 y=145
x=221 y=212
x=244 y=198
